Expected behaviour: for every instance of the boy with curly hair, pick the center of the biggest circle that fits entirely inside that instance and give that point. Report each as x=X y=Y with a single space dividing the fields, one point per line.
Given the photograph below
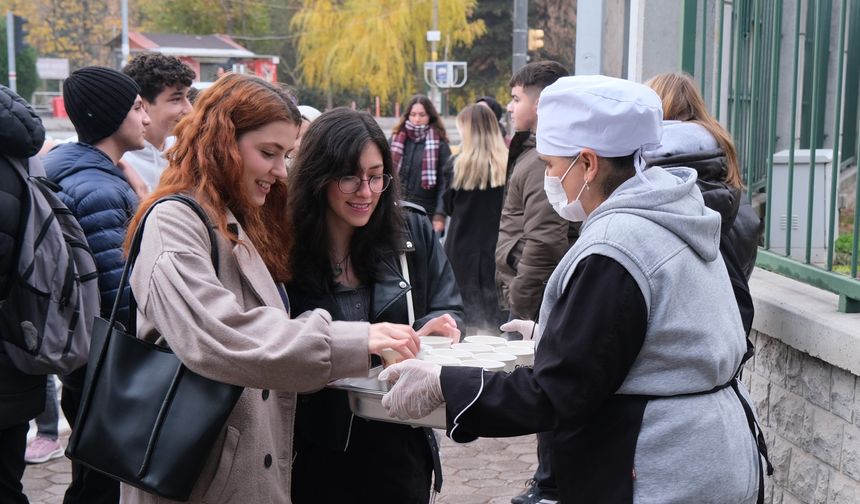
x=164 y=84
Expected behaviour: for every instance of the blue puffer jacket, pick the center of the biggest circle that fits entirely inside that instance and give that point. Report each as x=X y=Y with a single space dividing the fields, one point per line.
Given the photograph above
x=99 y=195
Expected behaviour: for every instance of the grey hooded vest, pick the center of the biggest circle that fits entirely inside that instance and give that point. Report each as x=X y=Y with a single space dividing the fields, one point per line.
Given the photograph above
x=695 y=448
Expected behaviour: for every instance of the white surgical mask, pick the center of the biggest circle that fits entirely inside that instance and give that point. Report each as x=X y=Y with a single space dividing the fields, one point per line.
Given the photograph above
x=557 y=197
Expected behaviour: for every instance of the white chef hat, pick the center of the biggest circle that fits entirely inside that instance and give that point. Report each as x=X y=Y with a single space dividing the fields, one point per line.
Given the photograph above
x=309 y=113
x=613 y=117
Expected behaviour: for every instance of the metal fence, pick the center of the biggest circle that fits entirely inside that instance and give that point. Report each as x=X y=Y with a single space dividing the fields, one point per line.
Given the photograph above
x=784 y=77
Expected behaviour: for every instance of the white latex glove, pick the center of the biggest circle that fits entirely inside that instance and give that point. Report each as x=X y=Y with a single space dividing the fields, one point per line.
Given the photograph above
x=417 y=390
x=528 y=328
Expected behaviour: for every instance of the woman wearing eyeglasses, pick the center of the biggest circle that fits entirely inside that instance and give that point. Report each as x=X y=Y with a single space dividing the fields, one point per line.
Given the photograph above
x=352 y=231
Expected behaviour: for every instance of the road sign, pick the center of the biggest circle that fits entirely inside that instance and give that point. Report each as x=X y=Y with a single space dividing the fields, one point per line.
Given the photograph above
x=445 y=74
x=52 y=68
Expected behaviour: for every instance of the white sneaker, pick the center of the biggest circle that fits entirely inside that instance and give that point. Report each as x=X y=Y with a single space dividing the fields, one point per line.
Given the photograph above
x=42 y=449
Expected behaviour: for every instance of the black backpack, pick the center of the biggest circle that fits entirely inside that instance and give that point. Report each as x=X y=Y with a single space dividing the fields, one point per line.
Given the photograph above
x=47 y=311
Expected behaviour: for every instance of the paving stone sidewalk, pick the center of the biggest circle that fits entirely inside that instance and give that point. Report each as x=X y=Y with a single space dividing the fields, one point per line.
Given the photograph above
x=487 y=471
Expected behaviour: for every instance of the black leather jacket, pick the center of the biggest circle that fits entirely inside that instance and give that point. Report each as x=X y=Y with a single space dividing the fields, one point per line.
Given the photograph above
x=325 y=416
x=741 y=227
x=22 y=396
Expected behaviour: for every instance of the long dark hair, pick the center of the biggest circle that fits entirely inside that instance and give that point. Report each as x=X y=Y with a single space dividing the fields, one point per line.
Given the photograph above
x=435 y=120
x=331 y=148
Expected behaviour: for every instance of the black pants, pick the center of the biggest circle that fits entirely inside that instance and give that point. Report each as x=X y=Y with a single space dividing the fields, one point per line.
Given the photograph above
x=544 y=478
x=13 y=443
x=87 y=486
x=385 y=463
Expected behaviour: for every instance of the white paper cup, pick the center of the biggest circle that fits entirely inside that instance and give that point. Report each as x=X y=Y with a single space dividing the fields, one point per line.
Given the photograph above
x=442 y=360
x=390 y=357
x=436 y=341
x=488 y=365
x=525 y=355
x=453 y=352
x=472 y=348
x=510 y=360
x=486 y=340
x=424 y=351
x=523 y=343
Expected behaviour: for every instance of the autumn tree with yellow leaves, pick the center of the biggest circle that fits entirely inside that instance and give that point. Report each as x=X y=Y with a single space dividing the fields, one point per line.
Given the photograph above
x=377 y=47
x=75 y=29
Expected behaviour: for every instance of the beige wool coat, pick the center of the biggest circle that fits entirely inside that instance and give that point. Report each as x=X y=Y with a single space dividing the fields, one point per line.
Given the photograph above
x=234 y=328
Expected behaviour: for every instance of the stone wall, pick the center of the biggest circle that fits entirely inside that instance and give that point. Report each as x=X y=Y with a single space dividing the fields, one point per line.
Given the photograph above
x=809 y=408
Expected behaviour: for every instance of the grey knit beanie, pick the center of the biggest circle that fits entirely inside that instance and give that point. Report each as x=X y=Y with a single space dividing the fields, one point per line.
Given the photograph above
x=97 y=100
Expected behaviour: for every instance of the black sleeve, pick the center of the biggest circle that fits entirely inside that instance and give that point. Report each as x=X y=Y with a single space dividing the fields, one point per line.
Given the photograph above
x=441 y=182
x=442 y=293
x=590 y=341
x=447 y=207
x=11 y=203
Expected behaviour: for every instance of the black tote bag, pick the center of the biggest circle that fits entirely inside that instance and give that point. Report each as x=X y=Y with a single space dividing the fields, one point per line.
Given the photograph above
x=145 y=419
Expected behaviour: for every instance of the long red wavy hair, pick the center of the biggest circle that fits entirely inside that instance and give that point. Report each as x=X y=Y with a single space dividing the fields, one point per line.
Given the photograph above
x=206 y=163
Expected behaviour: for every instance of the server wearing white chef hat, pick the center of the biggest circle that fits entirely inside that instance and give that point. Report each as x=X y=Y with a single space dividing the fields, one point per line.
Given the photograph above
x=636 y=370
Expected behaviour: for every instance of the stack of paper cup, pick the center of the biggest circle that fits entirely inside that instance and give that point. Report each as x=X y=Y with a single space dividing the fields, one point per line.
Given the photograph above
x=436 y=341
x=493 y=341
x=523 y=349
x=472 y=348
x=489 y=352
x=488 y=365
x=509 y=360
x=442 y=360
x=453 y=352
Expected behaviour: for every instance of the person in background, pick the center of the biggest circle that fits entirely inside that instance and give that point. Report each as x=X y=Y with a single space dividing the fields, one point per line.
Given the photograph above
x=234 y=326
x=640 y=394
x=694 y=138
x=474 y=203
x=498 y=111
x=309 y=115
x=343 y=205
x=46 y=444
x=107 y=112
x=419 y=149
x=22 y=395
x=164 y=83
x=532 y=238
x=193 y=92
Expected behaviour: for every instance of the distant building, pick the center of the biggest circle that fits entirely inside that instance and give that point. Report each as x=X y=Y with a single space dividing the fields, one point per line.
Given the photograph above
x=207 y=55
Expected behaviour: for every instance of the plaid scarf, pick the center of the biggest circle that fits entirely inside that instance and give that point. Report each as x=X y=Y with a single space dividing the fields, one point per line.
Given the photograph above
x=431 y=150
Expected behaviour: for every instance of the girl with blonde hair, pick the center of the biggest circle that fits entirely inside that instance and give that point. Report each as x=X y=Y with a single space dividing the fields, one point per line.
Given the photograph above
x=694 y=138
x=474 y=202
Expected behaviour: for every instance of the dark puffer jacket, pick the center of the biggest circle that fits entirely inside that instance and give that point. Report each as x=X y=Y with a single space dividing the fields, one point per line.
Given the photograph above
x=22 y=396
x=689 y=144
x=99 y=195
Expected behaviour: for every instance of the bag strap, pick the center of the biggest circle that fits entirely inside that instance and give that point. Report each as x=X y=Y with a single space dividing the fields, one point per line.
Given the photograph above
x=428 y=433
x=135 y=250
x=410 y=308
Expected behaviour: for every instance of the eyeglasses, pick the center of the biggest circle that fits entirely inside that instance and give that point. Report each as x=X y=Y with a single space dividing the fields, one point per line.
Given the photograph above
x=351 y=183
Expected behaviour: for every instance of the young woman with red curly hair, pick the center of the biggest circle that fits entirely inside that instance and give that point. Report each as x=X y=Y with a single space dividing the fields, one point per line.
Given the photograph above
x=234 y=326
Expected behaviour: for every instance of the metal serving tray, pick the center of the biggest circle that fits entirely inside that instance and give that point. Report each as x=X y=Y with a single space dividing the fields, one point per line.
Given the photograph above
x=365 y=400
